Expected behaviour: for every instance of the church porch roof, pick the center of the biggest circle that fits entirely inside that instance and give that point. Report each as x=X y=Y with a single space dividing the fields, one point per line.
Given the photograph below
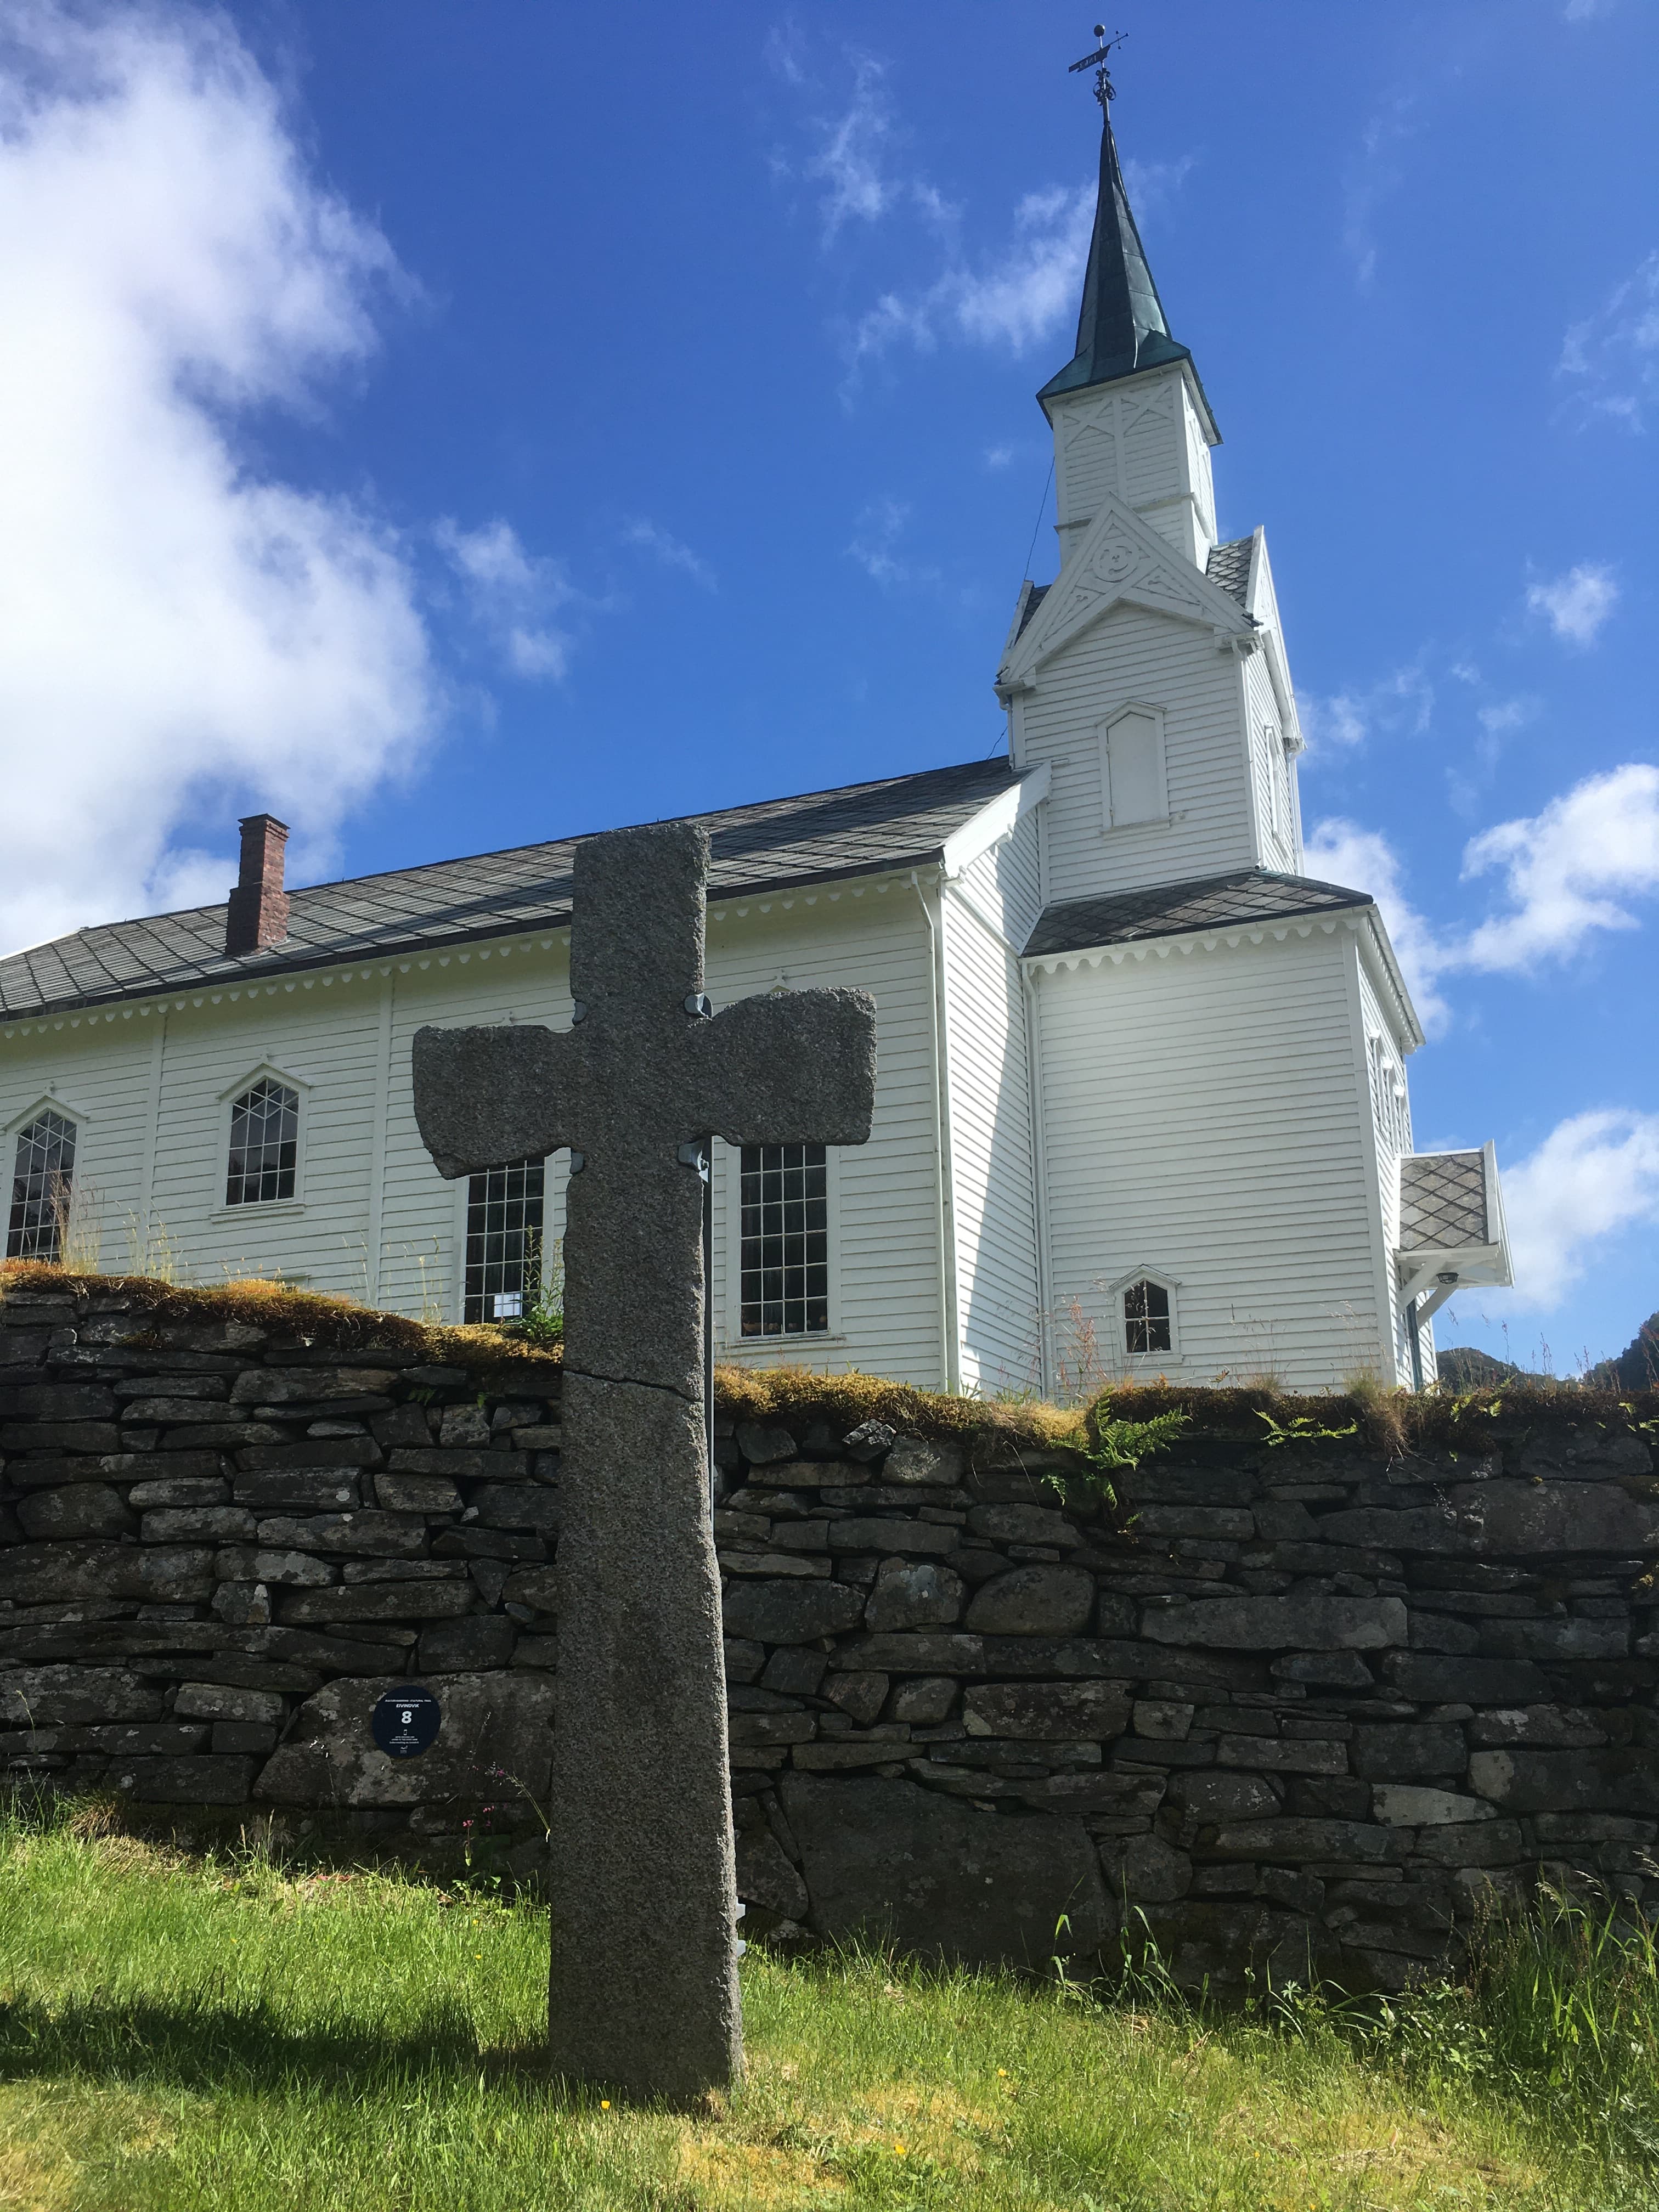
x=773 y=845
x=1244 y=897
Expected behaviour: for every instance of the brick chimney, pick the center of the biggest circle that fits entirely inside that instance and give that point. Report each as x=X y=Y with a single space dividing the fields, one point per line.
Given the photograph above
x=257 y=913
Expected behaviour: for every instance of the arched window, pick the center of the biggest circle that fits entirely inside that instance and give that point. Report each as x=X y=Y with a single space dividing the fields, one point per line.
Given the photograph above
x=42 y=1175
x=1146 y=1318
x=265 y=1143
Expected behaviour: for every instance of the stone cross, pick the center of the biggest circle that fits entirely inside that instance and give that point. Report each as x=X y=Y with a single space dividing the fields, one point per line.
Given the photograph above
x=644 y=1984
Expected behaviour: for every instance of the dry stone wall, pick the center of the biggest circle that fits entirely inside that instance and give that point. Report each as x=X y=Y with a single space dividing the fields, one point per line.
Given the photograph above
x=1291 y=1703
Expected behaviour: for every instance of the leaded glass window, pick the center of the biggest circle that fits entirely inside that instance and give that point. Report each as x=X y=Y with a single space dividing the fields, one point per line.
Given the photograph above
x=1146 y=1318
x=784 y=1264
x=42 y=1174
x=265 y=1143
x=503 y=1240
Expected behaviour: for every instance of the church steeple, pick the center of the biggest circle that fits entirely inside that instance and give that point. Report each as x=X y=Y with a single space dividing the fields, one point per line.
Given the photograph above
x=1123 y=328
x=1129 y=415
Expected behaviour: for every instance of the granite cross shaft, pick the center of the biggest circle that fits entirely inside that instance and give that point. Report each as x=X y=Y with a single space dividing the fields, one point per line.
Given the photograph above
x=644 y=1980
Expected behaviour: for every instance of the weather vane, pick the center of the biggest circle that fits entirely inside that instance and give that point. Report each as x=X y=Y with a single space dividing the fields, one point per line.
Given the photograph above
x=1105 y=91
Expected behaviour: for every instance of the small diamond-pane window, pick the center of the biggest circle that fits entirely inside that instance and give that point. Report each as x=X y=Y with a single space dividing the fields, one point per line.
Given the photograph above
x=265 y=1143
x=784 y=1263
x=503 y=1239
x=1146 y=1318
x=41 y=1176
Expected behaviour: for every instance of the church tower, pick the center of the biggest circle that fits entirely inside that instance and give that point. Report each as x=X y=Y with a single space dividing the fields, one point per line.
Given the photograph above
x=1151 y=675
x=1128 y=413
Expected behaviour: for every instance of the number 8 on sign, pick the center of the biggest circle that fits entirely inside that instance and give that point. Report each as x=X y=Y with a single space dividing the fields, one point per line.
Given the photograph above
x=405 y=1721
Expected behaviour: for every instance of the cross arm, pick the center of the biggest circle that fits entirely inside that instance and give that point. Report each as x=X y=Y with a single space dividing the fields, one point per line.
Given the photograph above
x=487 y=1095
x=792 y=1067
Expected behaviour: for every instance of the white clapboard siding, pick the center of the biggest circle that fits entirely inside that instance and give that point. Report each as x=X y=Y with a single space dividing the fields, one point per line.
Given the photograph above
x=1006 y=883
x=1133 y=655
x=100 y=1075
x=885 y=1298
x=1142 y=441
x=1205 y=1117
x=1270 y=772
x=990 y=1124
x=324 y=1034
x=372 y=1219
x=1389 y=1139
x=423 y=1218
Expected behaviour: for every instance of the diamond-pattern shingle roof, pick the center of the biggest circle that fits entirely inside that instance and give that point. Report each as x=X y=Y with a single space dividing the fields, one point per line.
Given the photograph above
x=1442 y=1202
x=1245 y=896
x=901 y=821
x=1228 y=566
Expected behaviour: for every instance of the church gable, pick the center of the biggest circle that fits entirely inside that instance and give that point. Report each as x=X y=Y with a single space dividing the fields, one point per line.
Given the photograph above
x=1122 y=560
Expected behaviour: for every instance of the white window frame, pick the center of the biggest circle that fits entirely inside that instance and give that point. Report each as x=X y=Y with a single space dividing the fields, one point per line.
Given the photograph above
x=1391 y=1109
x=1271 y=745
x=48 y=1101
x=1156 y=716
x=261 y=1209
x=1145 y=1362
x=728 y=1166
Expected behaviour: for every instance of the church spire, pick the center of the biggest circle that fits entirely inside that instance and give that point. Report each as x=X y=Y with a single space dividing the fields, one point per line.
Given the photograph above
x=1123 y=328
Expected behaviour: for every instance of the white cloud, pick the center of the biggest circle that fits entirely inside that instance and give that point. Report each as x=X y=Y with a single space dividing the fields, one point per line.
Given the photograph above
x=1375 y=172
x=1031 y=291
x=875 y=545
x=1594 y=1177
x=1565 y=871
x=1339 y=852
x=1021 y=297
x=852 y=162
x=180 y=636
x=514 y=596
x=1576 y=603
x=1611 y=357
x=1153 y=184
x=998 y=457
x=1505 y=715
x=651 y=538
x=1586 y=11
x=1566 y=868
x=1401 y=705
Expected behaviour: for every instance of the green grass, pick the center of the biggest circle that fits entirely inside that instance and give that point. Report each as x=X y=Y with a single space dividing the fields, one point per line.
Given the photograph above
x=186 y=2031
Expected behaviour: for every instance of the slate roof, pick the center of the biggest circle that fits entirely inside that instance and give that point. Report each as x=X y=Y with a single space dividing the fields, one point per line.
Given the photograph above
x=899 y=821
x=1034 y=599
x=1442 y=1202
x=1247 y=896
x=1122 y=327
x=1229 y=565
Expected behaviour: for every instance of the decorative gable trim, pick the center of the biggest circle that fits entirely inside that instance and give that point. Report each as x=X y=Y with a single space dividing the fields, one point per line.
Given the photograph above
x=257 y=1074
x=48 y=1101
x=1122 y=560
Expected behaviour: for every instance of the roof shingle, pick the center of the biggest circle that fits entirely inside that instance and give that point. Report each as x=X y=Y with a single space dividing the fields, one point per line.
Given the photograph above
x=1442 y=1201
x=1228 y=566
x=1247 y=896
x=901 y=821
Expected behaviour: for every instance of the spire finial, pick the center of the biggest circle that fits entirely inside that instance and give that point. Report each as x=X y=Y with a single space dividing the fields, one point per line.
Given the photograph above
x=1105 y=91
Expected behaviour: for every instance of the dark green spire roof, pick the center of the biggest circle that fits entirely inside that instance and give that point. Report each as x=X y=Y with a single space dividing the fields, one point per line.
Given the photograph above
x=1123 y=328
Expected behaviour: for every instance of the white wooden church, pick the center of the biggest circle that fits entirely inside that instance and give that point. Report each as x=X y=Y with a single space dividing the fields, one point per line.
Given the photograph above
x=1142 y=1103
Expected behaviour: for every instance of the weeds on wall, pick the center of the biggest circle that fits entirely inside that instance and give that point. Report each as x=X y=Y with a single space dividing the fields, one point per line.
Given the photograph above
x=542 y=1322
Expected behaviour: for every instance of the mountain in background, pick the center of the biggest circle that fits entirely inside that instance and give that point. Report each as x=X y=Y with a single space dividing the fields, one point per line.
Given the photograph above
x=1463 y=1368
x=1637 y=1367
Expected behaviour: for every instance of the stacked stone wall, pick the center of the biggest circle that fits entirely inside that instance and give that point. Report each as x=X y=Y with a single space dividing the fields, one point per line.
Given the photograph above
x=1284 y=1703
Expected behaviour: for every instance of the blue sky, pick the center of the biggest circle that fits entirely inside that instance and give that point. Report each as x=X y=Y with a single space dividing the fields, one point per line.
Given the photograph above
x=451 y=428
